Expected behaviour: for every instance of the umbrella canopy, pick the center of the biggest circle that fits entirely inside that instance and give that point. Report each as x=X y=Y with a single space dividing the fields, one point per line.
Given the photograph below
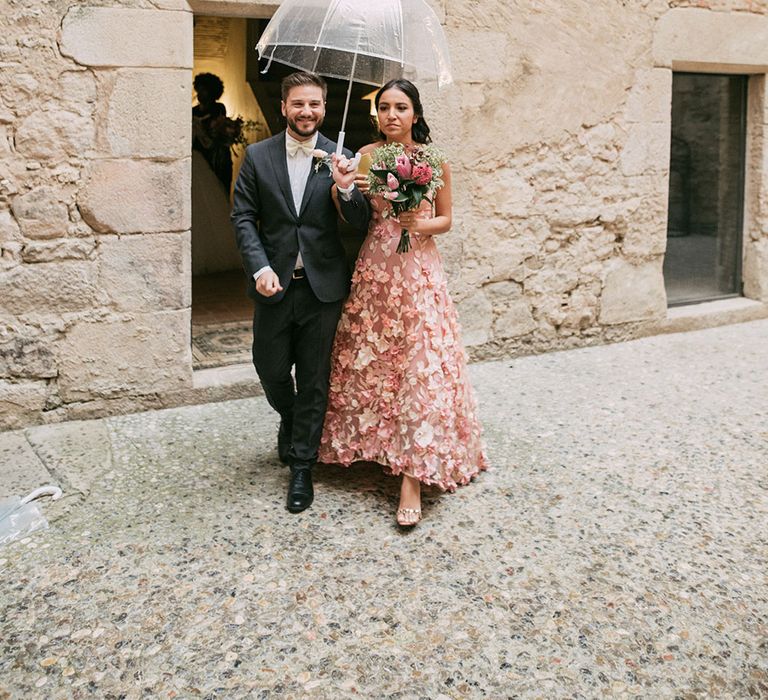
x=369 y=41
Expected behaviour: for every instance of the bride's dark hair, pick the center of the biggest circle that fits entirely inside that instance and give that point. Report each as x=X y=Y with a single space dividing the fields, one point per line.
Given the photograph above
x=420 y=130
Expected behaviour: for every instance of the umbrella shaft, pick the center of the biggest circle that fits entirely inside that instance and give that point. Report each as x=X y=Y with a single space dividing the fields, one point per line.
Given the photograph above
x=340 y=143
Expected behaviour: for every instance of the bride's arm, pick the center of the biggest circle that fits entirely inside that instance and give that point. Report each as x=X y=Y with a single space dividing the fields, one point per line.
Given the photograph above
x=441 y=221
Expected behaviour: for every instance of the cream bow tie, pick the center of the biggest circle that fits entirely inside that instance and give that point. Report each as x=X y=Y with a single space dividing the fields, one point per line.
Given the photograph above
x=293 y=147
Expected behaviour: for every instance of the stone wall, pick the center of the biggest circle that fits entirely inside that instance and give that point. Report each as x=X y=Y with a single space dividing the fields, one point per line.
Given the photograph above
x=94 y=208
x=557 y=128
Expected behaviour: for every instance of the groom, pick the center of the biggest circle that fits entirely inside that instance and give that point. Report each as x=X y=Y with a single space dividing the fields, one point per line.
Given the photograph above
x=286 y=226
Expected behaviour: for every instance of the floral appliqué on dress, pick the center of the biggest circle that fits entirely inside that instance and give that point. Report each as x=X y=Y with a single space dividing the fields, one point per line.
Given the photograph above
x=399 y=392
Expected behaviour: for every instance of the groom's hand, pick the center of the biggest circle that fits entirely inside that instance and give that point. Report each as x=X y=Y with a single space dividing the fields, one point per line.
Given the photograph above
x=268 y=284
x=339 y=171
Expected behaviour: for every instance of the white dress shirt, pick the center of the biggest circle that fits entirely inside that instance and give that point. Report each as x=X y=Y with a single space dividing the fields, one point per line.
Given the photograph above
x=299 y=167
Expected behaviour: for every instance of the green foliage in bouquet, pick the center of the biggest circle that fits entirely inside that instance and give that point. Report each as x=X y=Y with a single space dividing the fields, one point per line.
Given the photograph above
x=405 y=177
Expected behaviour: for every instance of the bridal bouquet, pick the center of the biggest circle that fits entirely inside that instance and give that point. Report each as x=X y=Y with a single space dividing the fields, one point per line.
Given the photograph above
x=406 y=179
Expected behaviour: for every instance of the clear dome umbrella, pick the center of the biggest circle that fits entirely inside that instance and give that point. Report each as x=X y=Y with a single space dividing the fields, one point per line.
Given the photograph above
x=368 y=41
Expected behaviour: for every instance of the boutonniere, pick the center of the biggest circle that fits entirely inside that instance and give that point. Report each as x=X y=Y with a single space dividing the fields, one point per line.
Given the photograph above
x=321 y=159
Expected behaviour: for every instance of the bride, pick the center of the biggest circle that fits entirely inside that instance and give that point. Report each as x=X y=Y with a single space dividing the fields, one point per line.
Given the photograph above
x=399 y=392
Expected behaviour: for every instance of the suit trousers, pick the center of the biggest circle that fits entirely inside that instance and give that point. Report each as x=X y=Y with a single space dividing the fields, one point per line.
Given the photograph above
x=298 y=332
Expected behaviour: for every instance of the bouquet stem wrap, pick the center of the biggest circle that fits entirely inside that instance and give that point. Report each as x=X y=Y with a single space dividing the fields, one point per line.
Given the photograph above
x=405 y=242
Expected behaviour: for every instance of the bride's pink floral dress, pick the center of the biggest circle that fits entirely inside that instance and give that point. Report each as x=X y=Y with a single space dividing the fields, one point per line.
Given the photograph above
x=399 y=392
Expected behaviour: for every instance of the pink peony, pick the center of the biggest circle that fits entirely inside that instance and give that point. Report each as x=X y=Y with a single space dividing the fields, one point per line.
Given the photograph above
x=403 y=166
x=392 y=182
x=390 y=195
x=422 y=173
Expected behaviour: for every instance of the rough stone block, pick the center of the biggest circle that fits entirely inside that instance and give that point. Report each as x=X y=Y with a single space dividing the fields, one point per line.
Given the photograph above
x=114 y=36
x=26 y=352
x=141 y=354
x=552 y=281
x=692 y=38
x=10 y=255
x=21 y=402
x=123 y=196
x=60 y=249
x=42 y=212
x=581 y=310
x=514 y=320
x=600 y=141
x=505 y=290
x=181 y=5
x=5 y=142
x=650 y=99
x=77 y=91
x=52 y=288
x=139 y=94
x=55 y=134
x=633 y=293
x=9 y=229
x=507 y=192
x=645 y=232
x=476 y=317
x=645 y=241
x=757 y=105
x=755 y=272
x=478 y=56
x=646 y=149
x=146 y=273
x=18 y=89
x=544 y=97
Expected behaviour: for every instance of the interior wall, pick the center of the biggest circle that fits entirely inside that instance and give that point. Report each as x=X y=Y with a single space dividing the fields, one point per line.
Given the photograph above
x=220 y=48
x=238 y=97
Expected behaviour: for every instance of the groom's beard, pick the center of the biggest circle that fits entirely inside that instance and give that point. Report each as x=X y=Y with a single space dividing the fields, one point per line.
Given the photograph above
x=305 y=128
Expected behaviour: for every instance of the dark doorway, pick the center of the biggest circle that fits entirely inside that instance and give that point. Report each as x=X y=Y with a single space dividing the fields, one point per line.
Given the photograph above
x=706 y=187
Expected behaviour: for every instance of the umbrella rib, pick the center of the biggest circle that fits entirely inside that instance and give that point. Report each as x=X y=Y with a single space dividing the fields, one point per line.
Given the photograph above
x=331 y=6
x=370 y=54
x=271 y=58
x=402 y=37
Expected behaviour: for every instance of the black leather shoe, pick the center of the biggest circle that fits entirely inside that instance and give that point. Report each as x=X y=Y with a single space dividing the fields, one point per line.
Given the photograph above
x=300 y=491
x=284 y=440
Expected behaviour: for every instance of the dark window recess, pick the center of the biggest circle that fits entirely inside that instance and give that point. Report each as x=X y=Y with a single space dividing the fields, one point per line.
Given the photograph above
x=706 y=187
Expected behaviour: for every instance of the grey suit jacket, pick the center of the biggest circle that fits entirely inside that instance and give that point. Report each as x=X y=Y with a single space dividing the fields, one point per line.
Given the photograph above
x=271 y=232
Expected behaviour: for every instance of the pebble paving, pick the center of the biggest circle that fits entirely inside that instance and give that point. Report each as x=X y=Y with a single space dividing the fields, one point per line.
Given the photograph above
x=618 y=547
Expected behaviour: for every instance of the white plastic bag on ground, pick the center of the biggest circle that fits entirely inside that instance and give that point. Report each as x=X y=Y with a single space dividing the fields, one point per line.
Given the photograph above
x=21 y=516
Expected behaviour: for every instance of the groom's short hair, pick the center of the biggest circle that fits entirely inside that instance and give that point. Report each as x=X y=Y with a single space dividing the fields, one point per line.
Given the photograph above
x=300 y=78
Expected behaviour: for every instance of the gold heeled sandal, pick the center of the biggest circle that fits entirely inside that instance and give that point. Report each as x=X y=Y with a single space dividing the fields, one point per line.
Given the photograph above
x=408 y=512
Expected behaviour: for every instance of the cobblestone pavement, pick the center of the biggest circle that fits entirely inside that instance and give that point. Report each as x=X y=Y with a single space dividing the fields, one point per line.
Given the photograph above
x=617 y=549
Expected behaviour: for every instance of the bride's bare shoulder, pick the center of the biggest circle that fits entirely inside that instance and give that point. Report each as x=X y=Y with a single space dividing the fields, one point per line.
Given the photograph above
x=371 y=147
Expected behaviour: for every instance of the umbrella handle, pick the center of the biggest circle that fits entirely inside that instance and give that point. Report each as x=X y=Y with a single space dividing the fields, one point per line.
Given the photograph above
x=340 y=144
x=53 y=491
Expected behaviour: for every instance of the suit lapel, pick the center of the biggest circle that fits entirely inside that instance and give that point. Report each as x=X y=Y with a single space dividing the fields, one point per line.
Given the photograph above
x=280 y=165
x=316 y=176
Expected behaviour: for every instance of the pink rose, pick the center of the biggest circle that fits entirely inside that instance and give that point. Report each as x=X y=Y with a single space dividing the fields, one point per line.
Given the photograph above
x=403 y=166
x=422 y=173
x=392 y=182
